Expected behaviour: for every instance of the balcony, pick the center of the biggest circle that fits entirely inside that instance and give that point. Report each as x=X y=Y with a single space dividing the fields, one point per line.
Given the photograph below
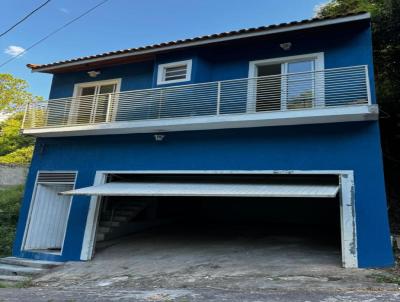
x=324 y=96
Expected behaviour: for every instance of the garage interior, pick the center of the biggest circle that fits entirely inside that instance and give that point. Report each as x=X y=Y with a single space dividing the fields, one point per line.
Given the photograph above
x=304 y=211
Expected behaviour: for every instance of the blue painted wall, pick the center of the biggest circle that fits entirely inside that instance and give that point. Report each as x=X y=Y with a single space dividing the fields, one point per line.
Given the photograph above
x=344 y=45
x=345 y=146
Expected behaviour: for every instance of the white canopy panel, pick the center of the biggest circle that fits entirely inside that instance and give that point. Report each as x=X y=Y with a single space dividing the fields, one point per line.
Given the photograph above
x=207 y=189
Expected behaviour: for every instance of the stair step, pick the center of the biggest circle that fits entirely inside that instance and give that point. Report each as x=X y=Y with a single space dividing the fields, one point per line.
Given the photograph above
x=117 y=218
x=103 y=229
x=119 y=212
x=130 y=208
x=129 y=228
x=30 y=262
x=100 y=237
x=110 y=224
x=17 y=270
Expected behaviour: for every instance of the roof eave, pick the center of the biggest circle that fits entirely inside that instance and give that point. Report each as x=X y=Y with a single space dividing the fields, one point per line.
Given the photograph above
x=287 y=28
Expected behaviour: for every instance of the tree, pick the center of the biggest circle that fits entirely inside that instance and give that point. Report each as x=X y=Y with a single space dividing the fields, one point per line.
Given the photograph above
x=342 y=7
x=14 y=147
x=385 y=15
x=10 y=200
x=11 y=138
x=13 y=94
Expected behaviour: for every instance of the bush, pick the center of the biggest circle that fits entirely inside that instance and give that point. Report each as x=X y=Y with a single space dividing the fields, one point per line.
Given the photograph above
x=10 y=200
x=20 y=156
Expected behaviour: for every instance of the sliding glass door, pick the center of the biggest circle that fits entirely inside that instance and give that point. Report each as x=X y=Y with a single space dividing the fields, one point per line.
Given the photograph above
x=92 y=103
x=287 y=84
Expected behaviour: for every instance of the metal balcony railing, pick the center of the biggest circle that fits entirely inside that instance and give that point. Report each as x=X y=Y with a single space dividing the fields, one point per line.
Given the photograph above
x=338 y=87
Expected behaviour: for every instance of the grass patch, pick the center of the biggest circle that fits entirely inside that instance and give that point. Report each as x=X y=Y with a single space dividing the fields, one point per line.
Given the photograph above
x=389 y=275
x=3 y=285
x=10 y=200
x=23 y=284
x=386 y=278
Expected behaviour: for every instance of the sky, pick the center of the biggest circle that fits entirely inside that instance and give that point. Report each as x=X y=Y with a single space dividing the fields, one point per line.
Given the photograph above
x=120 y=24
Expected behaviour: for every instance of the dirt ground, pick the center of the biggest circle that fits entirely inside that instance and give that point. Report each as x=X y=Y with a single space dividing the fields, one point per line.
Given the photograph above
x=216 y=265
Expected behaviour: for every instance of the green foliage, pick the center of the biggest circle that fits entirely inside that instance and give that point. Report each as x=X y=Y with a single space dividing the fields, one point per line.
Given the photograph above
x=10 y=200
x=387 y=278
x=13 y=93
x=11 y=138
x=20 y=156
x=342 y=7
x=386 y=40
x=15 y=148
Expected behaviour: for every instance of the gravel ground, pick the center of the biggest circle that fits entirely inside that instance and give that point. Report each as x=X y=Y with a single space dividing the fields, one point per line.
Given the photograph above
x=195 y=295
x=223 y=265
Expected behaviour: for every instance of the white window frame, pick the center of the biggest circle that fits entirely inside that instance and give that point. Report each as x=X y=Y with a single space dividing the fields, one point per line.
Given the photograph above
x=162 y=68
x=319 y=64
x=79 y=86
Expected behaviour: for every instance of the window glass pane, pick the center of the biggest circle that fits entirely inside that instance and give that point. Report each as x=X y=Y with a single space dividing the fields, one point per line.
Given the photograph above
x=300 y=87
x=300 y=66
x=107 y=88
x=88 y=90
x=100 y=112
x=266 y=70
x=268 y=87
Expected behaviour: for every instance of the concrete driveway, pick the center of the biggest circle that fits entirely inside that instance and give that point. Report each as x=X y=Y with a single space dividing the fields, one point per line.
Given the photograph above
x=213 y=264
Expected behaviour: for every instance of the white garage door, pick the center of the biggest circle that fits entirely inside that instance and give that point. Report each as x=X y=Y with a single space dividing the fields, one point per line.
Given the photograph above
x=208 y=189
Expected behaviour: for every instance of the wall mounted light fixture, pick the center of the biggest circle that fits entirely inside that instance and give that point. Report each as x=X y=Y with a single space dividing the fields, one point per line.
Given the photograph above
x=93 y=73
x=286 y=46
x=159 y=137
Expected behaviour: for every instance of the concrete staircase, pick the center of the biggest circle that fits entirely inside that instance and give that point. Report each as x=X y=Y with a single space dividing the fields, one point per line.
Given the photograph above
x=120 y=219
x=15 y=271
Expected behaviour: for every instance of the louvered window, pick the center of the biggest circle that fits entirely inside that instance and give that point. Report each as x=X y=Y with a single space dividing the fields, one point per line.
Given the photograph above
x=174 y=72
x=56 y=177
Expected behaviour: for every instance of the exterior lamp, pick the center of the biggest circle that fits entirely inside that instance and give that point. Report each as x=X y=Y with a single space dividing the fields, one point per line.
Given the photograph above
x=93 y=73
x=286 y=46
x=159 y=137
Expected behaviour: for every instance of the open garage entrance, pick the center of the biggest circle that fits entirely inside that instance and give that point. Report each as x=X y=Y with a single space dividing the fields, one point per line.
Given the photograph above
x=280 y=209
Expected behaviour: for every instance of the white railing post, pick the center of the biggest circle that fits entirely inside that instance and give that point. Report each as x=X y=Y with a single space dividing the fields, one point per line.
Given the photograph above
x=160 y=102
x=218 y=98
x=25 y=113
x=368 y=85
x=93 y=111
x=33 y=116
x=109 y=107
x=284 y=91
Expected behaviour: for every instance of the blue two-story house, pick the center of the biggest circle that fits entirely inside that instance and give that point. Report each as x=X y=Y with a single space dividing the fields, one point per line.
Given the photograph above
x=279 y=112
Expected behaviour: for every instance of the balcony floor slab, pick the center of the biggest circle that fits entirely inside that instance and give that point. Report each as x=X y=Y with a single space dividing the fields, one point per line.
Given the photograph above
x=250 y=120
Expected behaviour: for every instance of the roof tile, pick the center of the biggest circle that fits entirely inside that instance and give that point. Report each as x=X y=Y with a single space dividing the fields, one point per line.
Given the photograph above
x=183 y=41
